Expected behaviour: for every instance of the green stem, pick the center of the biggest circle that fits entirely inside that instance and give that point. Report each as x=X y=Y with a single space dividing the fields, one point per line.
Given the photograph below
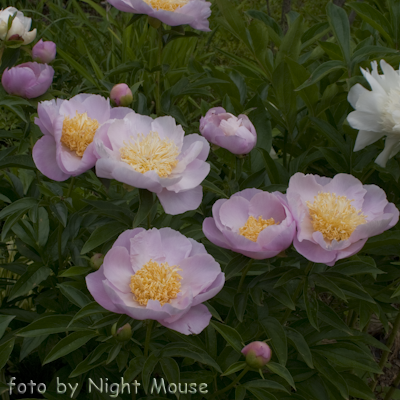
x=148 y=336
x=297 y=292
x=389 y=345
x=232 y=384
x=239 y=163
x=71 y=187
x=393 y=388
x=244 y=273
x=60 y=261
x=158 y=73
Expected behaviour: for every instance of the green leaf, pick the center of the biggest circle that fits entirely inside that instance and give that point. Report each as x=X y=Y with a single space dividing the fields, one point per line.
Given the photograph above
x=29 y=344
x=102 y=234
x=311 y=304
x=239 y=305
x=4 y=322
x=299 y=74
x=291 y=43
x=375 y=18
x=277 y=335
x=348 y=356
x=74 y=295
x=329 y=316
x=329 y=372
x=359 y=266
x=339 y=22
x=358 y=388
x=145 y=206
x=230 y=335
x=207 y=185
x=323 y=281
x=135 y=367
x=24 y=204
x=262 y=394
x=282 y=372
x=69 y=344
x=148 y=368
x=270 y=167
x=321 y=71
x=190 y=351
x=46 y=325
x=233 y=21
x=80 y=68
x=235 y=367
x=265 y=384
x=29 y=280
x=5 y=351
x=171 y=370
x=18 y=161
x=297 y=340
x=75 y=271
x=235 y=266
x=89 y=309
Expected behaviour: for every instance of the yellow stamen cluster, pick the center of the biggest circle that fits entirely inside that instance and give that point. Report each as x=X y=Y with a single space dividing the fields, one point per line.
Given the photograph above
x=253 y=227
x=334 y=216
x=156 y=281
x=150 y=153
x=167 y=5
x=78 y=132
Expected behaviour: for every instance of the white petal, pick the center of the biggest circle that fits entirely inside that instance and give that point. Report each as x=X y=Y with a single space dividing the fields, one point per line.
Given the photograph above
x=392 y=146
x=364 y=121
x=365 y=138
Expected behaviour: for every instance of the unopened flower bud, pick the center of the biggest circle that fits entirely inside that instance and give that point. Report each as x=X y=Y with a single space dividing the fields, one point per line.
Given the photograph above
x=257 y=354
x=121 y=95
x=96 y=261
x=44 y=52
x=122 y=334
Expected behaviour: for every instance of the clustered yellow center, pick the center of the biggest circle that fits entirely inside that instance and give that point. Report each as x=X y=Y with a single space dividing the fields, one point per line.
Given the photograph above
x=150 y=153
x=78 y=132
x=156 y=281
x=167 y=5
x=334 y=216
x=253 y=227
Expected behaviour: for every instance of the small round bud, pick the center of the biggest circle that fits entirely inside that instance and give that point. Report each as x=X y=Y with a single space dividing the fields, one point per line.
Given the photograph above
x=122 y=334
x=96 y=261
x=257 y=354
x=44 y=52
x=121 y=95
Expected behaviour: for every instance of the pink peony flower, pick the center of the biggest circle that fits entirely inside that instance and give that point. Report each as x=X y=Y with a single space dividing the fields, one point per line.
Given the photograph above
x=257 y=354
x=69 y=126
x=158 y=274
x=252 y=222
x=28 y=80
x=237 y=134
x=154 y=155
x=335 y=217
x=44 y=52
x=172 y=12
x=121 y=95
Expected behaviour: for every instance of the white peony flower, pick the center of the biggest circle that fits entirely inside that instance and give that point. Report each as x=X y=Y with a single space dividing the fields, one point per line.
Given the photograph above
x=20 y=26
x=377 y=112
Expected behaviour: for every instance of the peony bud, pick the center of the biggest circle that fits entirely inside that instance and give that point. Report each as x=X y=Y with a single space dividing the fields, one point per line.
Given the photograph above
x=121 y=95
x=236 y=134
x=122 y=334
x=96 y=261
x=44 y=52
x=257 y=354
x=28 y=80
